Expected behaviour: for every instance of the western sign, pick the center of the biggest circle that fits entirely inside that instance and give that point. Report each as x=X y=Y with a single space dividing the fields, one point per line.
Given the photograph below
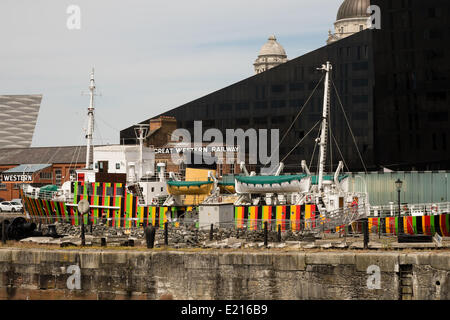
x=5 y=177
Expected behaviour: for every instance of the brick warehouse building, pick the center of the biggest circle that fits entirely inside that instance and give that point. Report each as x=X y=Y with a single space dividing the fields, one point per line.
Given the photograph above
x=38 y=166
x=393 y=84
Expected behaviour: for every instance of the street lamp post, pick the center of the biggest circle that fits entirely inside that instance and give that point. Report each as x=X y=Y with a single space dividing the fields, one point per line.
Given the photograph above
x=398 y=185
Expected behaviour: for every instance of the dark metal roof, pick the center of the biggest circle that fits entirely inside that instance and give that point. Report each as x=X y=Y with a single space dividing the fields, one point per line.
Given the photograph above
x=70 y=154
x=353 y=9
x=28 y=168
x=18 y=116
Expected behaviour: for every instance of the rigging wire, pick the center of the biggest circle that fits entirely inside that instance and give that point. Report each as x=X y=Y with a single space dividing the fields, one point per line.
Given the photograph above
x=343 y=160
x=99 y=133
x=107 y=124
x=298 y=143
x=348 y=124
x=314 y=151
x=295 y=119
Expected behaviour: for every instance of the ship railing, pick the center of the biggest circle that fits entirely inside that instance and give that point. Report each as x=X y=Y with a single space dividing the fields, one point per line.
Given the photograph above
x=410 y=209
x=42 y=194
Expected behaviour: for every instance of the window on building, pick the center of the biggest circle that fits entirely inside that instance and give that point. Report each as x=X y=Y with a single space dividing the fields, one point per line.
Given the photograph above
x=360 y=116
x=16 y=186
x=242 y=106
x=278 y=88
x=297 y=103
x=3 y=186
x=117 y=166
x=434 y=141
x=431 y=12
x=278 y=104
x=296 y=86
x=261 y=105
x=360 y=82
x=359 y=66
x=260 y=120
x=360 y=99
x=58 y=177
x=438 y=116
x=46 y=175
x=242 y=122
x=225 y=107
x=278 y=120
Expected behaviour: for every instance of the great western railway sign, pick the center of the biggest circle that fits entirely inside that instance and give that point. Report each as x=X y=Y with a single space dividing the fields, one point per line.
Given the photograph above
x=15 y=177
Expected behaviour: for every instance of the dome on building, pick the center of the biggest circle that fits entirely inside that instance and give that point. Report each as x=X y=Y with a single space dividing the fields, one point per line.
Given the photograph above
x=272 y=47
x=353 y=9
x=352 y=17
x=272 y=54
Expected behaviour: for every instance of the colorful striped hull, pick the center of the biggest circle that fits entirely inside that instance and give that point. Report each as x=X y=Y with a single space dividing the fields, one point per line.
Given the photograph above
x=293 y=218
x=129 y=214
x=427 y=225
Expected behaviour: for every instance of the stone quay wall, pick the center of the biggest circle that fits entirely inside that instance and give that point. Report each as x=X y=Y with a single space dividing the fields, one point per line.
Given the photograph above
x=222 y=274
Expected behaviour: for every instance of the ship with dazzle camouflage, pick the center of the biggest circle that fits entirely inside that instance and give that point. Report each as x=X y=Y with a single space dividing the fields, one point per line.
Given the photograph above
x=127 y=188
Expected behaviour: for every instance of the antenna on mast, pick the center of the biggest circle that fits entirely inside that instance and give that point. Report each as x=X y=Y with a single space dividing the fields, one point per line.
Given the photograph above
x=90 y=129
x=324 y=130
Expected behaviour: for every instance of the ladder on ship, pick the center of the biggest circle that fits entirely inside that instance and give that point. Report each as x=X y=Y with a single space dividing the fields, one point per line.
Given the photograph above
x=139 y=194
x=330 y=220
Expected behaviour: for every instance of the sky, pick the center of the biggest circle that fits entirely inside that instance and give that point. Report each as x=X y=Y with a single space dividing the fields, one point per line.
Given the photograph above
x=149 y=56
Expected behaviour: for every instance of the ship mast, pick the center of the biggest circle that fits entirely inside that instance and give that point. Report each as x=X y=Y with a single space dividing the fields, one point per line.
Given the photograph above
x=324 y=131
x=90 y=129
x=141 y=135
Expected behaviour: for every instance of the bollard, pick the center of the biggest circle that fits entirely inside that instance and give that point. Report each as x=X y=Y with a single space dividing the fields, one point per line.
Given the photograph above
x=3 y=232
x=265 y=233
x=211 y=233
x=103 y=242
x=279 y=233
x=52 y=231
x=150 y=236
x=83 y=238
x=365 y=226
x=166 y=233
x=379 y=227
